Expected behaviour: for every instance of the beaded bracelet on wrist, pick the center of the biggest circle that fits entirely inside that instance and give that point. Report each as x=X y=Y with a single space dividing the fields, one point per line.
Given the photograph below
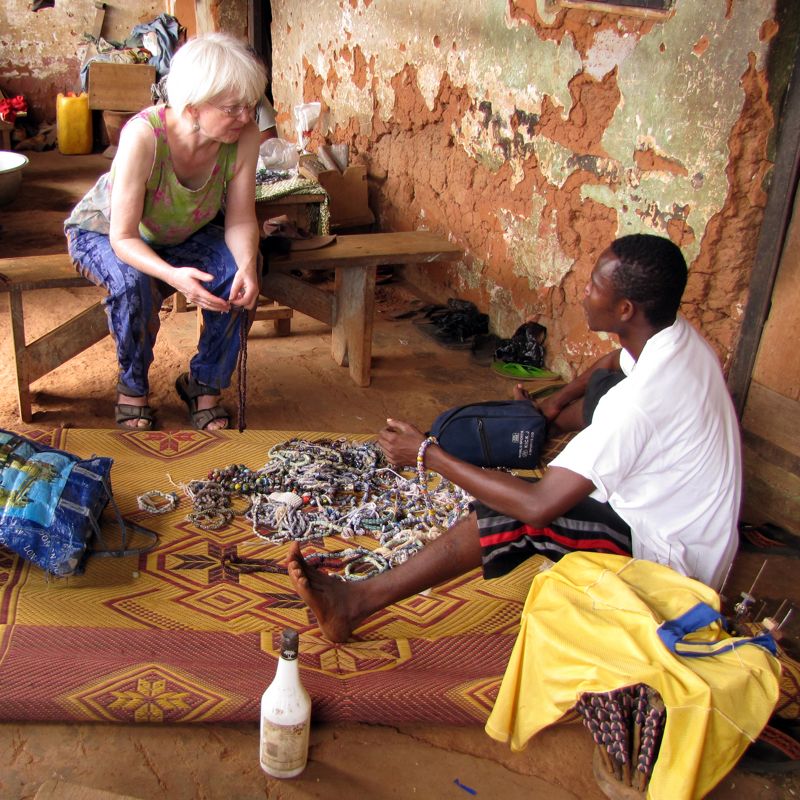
x=421 y=474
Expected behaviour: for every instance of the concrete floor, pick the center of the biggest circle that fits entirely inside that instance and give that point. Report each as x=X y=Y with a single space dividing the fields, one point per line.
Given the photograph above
x=293 y=384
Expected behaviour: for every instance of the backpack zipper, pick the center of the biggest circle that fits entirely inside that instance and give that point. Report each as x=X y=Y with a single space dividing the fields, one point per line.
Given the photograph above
x=487 y=450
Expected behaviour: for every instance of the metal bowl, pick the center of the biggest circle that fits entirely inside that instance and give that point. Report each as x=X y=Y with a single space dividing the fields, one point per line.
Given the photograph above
x=11 y=166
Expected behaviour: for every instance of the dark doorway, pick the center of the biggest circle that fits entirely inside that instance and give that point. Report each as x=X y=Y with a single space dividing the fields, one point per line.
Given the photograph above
x=260 y=26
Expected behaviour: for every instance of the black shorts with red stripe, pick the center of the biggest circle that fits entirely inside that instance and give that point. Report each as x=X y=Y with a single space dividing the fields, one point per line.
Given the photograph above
x=589 y=526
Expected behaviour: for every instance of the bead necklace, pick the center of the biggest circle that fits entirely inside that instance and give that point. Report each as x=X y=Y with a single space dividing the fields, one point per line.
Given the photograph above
x=422 y=475
x=241 y=367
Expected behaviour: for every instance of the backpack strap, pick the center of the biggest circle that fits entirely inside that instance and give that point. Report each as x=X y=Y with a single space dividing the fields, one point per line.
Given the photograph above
x=672 y=633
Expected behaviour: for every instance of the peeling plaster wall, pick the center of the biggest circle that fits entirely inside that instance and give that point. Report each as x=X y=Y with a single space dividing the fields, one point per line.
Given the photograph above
x=41 y=52
x=533 y=137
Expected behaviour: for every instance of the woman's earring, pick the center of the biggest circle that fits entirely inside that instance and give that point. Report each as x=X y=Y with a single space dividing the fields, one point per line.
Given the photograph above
x=196 y=126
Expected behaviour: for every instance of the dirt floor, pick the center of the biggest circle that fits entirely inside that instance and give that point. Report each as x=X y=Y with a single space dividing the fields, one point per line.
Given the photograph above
x=293 y=384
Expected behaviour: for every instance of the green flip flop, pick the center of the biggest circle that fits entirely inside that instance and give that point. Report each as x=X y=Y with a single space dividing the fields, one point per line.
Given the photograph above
x=519 y=372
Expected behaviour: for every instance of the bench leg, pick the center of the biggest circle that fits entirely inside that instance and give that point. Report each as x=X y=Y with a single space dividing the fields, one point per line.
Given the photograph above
x=351 y=339
x=19 y=355
x=52 y=349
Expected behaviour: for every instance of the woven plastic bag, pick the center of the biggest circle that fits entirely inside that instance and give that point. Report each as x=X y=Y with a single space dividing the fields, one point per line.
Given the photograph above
x=50 y=502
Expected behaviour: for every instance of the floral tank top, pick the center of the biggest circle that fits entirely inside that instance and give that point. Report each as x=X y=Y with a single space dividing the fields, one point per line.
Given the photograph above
x=172 y=212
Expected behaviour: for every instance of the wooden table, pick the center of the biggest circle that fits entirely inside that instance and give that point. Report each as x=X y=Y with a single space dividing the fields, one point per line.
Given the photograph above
x=350 y=309
x=295 y=206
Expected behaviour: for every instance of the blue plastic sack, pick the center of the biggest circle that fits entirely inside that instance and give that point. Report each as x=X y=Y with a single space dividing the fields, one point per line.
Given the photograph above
x=50 y=502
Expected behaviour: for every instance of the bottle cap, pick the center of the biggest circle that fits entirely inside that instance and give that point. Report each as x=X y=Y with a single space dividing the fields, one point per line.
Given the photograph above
x=289 y=644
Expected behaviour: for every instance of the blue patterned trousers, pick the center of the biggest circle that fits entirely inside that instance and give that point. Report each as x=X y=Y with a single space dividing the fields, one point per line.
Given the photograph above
x=134 y=300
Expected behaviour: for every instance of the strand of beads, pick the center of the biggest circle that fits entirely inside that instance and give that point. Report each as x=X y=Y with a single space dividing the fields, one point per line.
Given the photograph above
x=400 y=546
x=422 y=474
x=352 y=564
x=240 y=479
x=210 y=519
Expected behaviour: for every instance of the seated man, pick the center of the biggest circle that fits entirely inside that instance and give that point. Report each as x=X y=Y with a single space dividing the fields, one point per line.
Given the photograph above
x=656 y=474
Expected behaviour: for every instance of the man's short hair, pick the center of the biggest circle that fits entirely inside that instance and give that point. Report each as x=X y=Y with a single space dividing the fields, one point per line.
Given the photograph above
x=651 y=271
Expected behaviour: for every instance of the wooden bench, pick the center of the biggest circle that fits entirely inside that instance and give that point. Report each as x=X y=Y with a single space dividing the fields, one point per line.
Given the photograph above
x=349 y=309
x=37 y=358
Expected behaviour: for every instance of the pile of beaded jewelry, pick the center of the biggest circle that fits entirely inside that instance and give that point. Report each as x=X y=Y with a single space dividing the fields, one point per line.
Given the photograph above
x=311 y=489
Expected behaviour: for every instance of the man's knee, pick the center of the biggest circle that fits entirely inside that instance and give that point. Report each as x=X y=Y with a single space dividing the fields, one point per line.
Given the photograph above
x=600 y=382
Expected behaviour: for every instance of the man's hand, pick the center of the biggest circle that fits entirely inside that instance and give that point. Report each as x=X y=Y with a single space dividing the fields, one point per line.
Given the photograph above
x=548 y=406
x=400 y=442
x=521 y=393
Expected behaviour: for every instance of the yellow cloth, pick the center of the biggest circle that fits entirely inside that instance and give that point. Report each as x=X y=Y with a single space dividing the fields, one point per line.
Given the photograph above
x=590 y=625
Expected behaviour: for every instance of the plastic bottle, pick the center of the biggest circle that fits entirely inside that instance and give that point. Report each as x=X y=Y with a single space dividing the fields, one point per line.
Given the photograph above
x=285 y=715
x=73 y=124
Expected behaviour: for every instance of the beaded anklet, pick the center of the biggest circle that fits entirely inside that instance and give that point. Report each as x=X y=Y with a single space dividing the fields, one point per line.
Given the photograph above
x=356 y=563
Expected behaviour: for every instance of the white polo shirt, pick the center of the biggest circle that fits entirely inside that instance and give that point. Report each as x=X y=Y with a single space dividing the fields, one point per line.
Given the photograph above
x=663 y=450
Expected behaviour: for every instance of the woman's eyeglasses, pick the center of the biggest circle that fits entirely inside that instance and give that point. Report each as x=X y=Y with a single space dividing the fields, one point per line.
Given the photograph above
x=236 y=111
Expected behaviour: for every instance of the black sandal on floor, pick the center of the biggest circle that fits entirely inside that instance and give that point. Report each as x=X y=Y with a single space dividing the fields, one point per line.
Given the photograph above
x=189 y=390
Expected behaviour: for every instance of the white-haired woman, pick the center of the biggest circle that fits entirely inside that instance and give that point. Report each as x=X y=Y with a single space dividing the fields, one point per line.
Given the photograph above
x=143 y=231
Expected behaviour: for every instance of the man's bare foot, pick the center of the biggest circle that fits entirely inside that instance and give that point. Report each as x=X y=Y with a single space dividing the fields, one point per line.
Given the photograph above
x=326 y=596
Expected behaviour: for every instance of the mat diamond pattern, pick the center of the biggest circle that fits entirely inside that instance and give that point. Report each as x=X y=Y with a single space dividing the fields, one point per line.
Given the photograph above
x=189 y=631
x=149 y=693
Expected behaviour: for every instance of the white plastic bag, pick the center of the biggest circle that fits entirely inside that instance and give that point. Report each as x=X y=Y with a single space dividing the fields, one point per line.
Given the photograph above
x=306 y=117
x=278 y=154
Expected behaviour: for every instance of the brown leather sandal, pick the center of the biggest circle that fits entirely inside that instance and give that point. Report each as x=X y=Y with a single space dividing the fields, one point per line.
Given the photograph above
x=189 y=390
x=125 y=412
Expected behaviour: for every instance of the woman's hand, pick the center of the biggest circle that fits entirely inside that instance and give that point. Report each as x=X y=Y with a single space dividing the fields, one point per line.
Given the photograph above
x=189 y=282
x=400 y=442
x=244 y=290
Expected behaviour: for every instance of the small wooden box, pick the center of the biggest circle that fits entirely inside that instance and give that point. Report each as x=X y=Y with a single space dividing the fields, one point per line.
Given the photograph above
x=347 y=192
x=120 y=87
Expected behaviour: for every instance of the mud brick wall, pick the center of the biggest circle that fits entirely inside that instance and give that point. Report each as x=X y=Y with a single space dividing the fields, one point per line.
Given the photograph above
x=529 y=134
x=41 y=52
x=534 y=135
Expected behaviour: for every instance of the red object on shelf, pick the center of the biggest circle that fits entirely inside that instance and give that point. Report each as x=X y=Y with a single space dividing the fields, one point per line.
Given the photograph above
x=11 y=107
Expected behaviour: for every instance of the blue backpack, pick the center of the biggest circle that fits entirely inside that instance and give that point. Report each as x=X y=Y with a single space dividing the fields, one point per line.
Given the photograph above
x=504 y=433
